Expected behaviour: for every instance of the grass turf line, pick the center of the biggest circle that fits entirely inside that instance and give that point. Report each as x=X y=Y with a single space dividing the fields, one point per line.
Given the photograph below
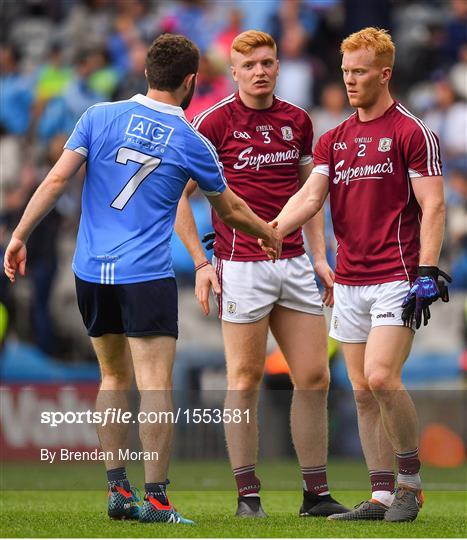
x=83 y=514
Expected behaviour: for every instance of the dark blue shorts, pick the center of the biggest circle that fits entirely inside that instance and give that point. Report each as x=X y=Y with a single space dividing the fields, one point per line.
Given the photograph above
x=149 y=308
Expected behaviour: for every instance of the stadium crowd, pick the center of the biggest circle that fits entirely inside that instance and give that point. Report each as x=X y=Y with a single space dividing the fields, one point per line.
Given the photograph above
x=59 y=57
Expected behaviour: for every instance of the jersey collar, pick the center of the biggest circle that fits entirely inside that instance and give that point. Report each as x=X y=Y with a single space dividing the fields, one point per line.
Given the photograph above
x=239 y=100
x=158 y=105
x=386 y=113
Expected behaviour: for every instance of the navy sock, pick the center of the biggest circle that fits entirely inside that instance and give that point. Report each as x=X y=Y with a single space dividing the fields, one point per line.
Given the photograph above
x=114 y=475
x=157 y=490
x=118 y=476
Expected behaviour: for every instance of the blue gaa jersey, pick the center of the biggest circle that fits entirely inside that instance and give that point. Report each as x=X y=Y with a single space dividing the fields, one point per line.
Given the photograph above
x=140 y=155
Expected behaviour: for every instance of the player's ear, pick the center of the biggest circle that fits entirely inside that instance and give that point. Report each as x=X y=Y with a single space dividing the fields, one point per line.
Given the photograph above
x=386 y=73
x=234 y=73
x=188 y=80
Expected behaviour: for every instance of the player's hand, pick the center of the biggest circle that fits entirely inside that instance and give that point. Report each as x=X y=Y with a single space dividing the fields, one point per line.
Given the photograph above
x=15 y=259
x=209 y=239
x=326 y=276
x=273 y=245
x=427 y=288
x=206 y=279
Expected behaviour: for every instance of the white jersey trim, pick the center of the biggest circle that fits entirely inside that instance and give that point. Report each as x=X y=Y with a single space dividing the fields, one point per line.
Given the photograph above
x=293 y=105
x=400 y=246
x=158 y=105
x=414 y=174
x=433 y=158
x=305 y=160
x=321 y=169
x=201 y=116
x=210 y=193
x=233 y=243
x=80 y=150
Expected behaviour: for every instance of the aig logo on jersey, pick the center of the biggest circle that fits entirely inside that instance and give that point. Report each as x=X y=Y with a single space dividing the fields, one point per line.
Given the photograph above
x=287 y=133
x=148 y=130
x=384 y=144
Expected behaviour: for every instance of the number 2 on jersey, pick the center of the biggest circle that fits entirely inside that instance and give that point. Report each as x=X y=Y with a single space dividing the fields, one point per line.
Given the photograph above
x=148 y=165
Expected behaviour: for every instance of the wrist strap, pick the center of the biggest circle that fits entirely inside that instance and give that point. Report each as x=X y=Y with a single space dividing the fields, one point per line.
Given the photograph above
x=201 y=265
x=428 y=271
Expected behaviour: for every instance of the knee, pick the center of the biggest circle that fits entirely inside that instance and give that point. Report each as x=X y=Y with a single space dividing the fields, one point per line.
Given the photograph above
x=313 y=381
x=364 y=399
x=118 y=380
x=245 y=379
x=363 y=395
x=380 y=381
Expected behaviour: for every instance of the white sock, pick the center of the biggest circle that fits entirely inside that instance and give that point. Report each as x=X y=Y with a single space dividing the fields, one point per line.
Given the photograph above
x=411 y=480
x=384 y=497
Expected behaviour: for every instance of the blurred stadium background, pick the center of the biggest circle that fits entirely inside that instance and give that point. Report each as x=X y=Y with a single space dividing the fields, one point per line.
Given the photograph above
x=58 y=57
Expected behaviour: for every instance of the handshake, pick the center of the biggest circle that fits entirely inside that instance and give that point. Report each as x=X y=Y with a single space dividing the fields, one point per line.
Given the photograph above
x=272 y=245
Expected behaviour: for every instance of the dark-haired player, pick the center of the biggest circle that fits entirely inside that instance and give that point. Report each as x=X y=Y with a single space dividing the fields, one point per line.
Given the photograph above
x=139 y=156
x=382 y=170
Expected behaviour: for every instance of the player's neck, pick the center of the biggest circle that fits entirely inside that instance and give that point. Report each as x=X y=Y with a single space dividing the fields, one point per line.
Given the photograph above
x=256 y=102
x=164 y=97
x=377 y=110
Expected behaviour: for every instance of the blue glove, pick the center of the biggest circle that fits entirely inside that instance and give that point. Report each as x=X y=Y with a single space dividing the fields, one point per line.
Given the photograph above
x=427 y=288
x=209 y=239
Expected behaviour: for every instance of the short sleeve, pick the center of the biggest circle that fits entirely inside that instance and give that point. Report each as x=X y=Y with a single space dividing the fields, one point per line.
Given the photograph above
x=204 y=165
x=306 y=152
x=422 y=153
x=321 y=155
x=79 y=140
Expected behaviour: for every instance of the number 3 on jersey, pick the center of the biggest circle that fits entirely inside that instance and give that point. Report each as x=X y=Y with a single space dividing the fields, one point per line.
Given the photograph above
x=148 y=165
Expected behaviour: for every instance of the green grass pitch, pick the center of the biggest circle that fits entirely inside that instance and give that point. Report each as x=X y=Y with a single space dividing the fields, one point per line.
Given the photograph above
x=47 y=511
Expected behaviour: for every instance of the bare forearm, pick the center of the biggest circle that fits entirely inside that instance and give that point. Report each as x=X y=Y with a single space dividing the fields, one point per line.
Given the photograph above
x=185 y=227
x=314 y=232
x=41 y=203
x=431 y=234
x=243 y=218
x=304 y=204
x=296 y=212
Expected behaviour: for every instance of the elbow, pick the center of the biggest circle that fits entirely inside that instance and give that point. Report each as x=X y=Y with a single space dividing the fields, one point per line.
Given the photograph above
x=232 y=212
x=442 y=208
x=228 y=216
x=312 y=206
x=436 y=208
x=55 y=183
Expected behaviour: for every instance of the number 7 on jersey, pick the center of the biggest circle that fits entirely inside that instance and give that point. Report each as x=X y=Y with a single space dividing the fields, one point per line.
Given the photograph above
x=148 y=165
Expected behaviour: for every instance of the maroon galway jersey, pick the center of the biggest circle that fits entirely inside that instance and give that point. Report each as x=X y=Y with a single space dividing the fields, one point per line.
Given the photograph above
x=374 y=211
x=261 y=151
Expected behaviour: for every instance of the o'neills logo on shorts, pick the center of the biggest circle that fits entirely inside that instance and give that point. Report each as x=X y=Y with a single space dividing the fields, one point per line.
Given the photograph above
x=387 y=315
x=256 y=161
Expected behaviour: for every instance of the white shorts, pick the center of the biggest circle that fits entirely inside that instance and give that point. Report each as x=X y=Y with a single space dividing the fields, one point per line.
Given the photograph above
x=358 y=309
x=250 y=289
